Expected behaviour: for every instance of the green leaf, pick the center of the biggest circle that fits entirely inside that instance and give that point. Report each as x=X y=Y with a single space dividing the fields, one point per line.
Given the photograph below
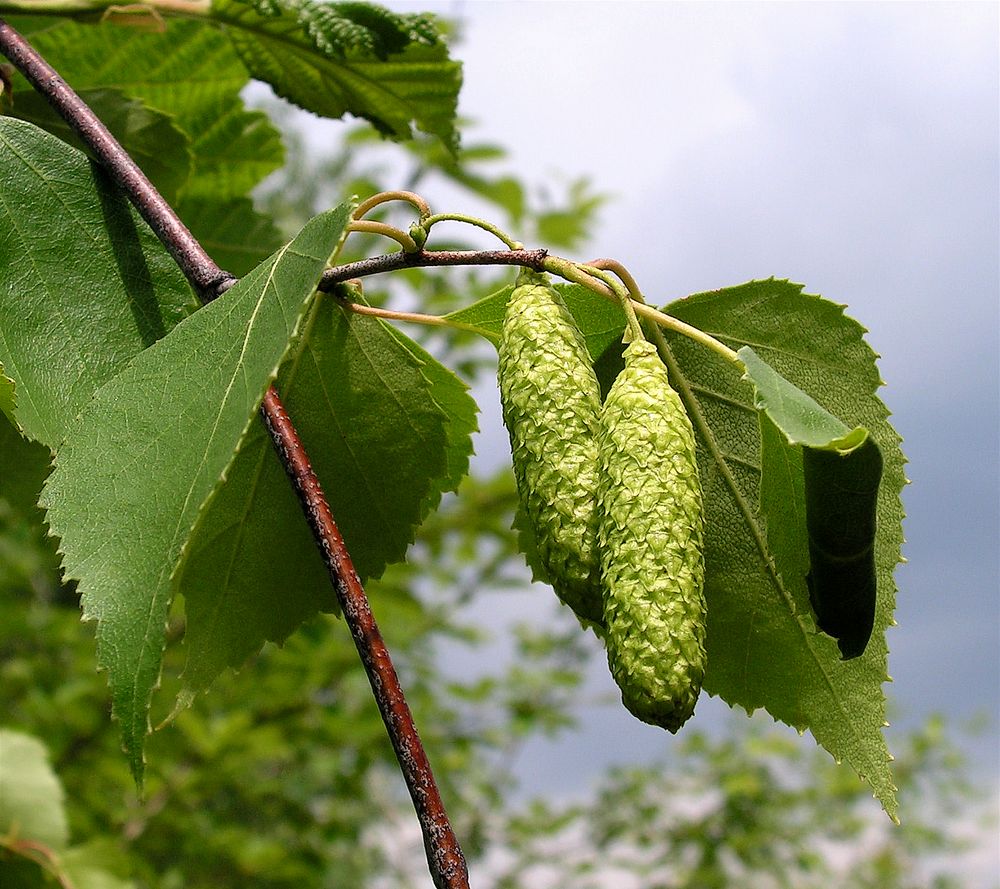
x=62 y=221
x=22 y=873
x=764 y=649
x=151 y=447
x=452 y=395
x=31 y=797
x=94 y=866
x=600 y=320
x=799 y=417
x=349 y=58
x=485 y=316
x=24 y=466
x=8 y=398
x=841 y=470
x=234 y=148
x=233 y=233
x=173 y=69
x=190 y=72
x=150 y=137
x=29 y=26
x=368 y=409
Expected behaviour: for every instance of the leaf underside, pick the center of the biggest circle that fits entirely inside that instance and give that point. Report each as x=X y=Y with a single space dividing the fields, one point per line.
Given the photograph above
x=188 y=72
x=190 y=76
x=181 y=88
x=150 y=137
x=841 y=470
x=358 y=59
x=388 y=427
x=57 y=350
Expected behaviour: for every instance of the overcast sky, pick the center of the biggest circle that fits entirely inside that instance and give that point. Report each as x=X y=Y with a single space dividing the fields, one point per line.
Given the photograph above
x=853 y=148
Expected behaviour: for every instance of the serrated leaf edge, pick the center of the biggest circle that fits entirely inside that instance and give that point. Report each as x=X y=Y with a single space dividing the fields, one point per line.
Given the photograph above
x=294 y=355
x=704 y=431
x=69 y=574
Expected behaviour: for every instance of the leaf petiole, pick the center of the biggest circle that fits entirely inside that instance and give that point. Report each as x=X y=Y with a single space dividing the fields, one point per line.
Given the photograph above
x=412 y=317
x=699 y=336
x=384 y=197
x=628 y=305
x=389 y=231
x=472 y=220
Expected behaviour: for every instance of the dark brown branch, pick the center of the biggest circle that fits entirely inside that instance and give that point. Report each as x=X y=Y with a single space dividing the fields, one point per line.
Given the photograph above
x=393 y=262
x=444 y=855
x=205 y=276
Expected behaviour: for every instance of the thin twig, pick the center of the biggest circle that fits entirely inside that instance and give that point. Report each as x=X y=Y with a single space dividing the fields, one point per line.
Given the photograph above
x=393 y=262
x=444 y=855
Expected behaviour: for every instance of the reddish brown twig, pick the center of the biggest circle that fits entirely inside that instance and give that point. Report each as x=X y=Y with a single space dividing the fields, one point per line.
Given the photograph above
x=444 y=855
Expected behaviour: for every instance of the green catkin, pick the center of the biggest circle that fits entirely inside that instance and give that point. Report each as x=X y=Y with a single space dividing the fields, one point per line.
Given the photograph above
x=551 y=407
x=651 y=543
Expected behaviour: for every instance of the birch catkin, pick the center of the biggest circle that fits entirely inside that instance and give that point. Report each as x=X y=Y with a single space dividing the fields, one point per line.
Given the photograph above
x=651 y=543
x=551 y=407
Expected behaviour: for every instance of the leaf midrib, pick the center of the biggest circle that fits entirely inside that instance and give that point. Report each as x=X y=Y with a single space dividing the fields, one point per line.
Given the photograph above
x=705 y=432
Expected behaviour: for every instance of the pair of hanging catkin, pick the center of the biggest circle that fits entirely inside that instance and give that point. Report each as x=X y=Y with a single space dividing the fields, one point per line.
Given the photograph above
x=612 y=496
